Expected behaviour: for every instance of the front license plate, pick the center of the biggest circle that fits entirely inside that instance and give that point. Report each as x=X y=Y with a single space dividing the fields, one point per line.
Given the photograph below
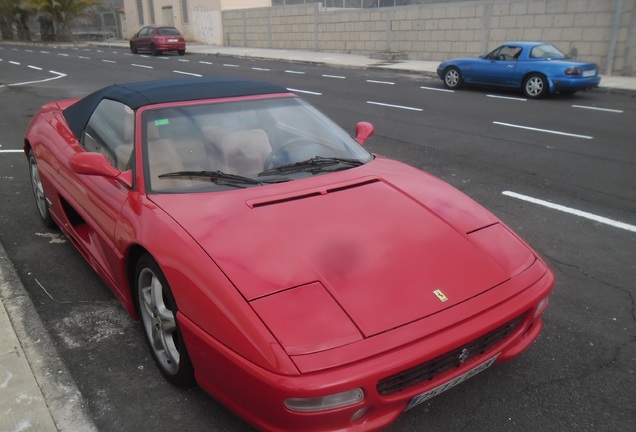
x=588 y=73
x=450 y=384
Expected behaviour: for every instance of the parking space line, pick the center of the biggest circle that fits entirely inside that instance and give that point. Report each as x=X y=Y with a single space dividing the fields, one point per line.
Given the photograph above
x=508 y=98
x=381 y=82
x=438 y=89
x=543 y=130
x=575 y=212
x=304 y=91
x=598 y=109
x=395 y=106
x=187 y=73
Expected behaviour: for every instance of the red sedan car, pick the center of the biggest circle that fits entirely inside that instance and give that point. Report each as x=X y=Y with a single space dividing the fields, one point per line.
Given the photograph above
x=303 y=282
x=158 y=39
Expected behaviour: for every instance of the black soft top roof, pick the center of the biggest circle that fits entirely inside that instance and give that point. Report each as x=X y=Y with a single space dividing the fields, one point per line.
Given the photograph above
x=143 y=93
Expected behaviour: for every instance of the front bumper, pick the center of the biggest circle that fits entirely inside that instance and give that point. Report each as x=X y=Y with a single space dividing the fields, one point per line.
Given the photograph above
x=258 y=395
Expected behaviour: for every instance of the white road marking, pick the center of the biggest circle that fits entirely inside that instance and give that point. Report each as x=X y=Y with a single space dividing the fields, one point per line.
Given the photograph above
x=395 y=106
x=184 y=60
x=84 y=57
x=334 y=76
x=206 y=62
x=64 y=54
x=11 y=151
x=304 y=91
x=109 y=61
x=58 y=75
x=562 y=208
x=295 y=72
x=34 y=67
x=14 y=63
x=261 y=69
x=187 y=73
x=230 y=65
x=543 y=130
x=508 y=98
x=598 y=109
x=438 y=89
x=381 y=82
x=142 y=66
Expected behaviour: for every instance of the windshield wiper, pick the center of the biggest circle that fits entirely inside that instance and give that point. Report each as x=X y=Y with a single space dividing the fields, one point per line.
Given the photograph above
x=220 y=177
x=314 y=165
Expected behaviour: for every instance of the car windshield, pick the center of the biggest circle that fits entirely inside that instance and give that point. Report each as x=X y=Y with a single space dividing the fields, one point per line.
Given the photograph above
x=546 y=51
x=167 y=31
x=247 y=143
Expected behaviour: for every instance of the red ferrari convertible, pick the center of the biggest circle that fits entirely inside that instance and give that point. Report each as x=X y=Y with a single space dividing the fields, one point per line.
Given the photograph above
x=303 y=282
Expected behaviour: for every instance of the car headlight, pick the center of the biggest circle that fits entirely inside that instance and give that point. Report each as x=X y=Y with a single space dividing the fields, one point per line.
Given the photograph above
x=311 y=332
x=573 y=71
x=511 y=254
x=323 y=403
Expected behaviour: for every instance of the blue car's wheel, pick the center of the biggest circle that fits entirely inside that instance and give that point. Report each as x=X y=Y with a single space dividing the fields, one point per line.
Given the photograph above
x=452 y=78
x=535 y=86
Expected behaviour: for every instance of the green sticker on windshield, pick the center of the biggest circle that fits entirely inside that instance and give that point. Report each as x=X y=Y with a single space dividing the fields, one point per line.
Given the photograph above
x=162 y=122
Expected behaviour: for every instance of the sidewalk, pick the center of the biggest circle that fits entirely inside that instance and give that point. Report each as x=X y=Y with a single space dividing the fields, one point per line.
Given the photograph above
x=36 y=391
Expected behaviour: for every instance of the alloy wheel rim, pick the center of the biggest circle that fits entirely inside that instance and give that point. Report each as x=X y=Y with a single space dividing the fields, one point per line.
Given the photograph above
x=534 y=86
x=158 y=320
x=38 y=190
x=452 y=78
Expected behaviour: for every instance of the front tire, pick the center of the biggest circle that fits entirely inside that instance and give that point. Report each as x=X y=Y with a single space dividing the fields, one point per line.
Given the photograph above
x=535 y=86
x=38 y=192
x=158 y=314
x=133 y=48
x=452 y=78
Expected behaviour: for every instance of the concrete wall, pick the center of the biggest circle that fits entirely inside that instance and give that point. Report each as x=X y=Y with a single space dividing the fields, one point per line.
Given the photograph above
x=602 y=31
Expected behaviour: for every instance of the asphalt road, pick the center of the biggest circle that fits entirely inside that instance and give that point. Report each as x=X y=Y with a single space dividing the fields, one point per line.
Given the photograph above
x=560 y=171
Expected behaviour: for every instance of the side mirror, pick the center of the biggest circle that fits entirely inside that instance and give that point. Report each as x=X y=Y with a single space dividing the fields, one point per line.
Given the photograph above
x=96 y=164
x=363 y=131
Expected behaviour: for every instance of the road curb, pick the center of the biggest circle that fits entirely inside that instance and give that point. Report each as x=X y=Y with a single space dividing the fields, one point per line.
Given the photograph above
x=65 y=403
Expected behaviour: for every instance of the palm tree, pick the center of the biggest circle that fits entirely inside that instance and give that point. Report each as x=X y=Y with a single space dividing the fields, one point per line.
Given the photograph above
x=65 y=11
x=59 y=13
x=15 y=14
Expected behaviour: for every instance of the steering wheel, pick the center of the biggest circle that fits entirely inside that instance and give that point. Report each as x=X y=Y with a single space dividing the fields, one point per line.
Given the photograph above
x=278 y=158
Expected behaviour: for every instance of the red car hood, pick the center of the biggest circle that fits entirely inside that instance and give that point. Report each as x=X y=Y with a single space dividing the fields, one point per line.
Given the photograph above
x=380 y=253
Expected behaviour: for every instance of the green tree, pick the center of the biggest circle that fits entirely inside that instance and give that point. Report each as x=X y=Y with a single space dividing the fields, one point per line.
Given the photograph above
x=65 y=11
x=55 y=16
x=14 y=16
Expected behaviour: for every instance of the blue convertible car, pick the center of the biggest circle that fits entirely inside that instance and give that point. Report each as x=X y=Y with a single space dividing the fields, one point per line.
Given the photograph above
x=536 y=68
